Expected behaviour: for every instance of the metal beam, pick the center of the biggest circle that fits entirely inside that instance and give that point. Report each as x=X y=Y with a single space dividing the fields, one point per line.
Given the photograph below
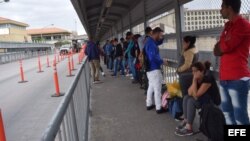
x=119 y=5
x=93 y=7
x=179 y=26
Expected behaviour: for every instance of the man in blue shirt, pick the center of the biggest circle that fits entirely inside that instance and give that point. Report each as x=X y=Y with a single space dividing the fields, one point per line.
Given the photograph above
x=93 y=54
x=154 y=62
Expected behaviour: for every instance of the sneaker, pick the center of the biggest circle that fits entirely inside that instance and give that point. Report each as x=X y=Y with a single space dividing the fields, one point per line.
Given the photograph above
x=161 y=111
x=150 y=107
x=181 y=126
x=103 y=74
x=179 y=119
x=97 y=82
x=134 y=82
x=184 y=132
x=127 y=75
x=132 y=78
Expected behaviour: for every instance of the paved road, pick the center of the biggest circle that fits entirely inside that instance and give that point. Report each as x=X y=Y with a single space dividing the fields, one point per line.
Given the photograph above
x=27 y=108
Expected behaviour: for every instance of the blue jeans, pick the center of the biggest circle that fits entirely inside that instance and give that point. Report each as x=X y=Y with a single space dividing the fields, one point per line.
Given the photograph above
x=118 y=62
x=110 y=62
x=132 y=66
x=234 y=97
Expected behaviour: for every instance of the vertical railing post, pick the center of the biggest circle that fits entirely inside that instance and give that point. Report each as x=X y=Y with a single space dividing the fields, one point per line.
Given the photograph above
x=73 y=116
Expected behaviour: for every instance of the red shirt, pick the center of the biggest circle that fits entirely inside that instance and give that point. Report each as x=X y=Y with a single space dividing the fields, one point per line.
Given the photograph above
x=235 y=43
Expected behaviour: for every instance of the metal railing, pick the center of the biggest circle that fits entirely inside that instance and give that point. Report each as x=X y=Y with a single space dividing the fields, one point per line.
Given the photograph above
x=70 y=122
x=169 y=72
x=15 y=56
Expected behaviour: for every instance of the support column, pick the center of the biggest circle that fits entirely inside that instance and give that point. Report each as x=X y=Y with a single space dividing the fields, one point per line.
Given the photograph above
x=129 y=16
x=145 y=19
x=179 y=18
x=122 y=28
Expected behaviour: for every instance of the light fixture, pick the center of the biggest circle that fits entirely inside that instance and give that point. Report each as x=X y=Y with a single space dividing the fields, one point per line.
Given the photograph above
x=108 y=3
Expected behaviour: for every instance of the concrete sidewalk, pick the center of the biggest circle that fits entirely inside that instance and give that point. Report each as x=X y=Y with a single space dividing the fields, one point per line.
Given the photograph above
x=119 y=114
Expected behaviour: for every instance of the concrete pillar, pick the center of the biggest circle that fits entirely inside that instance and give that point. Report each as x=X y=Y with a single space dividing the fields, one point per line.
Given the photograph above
x=129 y=16
x=145 y=15
x=179 y=18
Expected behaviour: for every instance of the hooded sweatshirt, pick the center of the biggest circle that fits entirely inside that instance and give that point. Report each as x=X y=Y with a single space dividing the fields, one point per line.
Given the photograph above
x=235 y=43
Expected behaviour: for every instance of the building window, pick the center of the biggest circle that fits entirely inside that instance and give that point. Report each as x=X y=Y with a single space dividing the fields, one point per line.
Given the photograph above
x=57 y=37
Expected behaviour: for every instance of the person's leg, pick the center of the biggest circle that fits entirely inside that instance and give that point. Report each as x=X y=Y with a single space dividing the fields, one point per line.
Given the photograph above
x=101 y=69
x=185 y=112
x=93 y=70
x=105 y=59
x=185 y=82
x=226 y=103
x=121 y=66
x=191 y=111
x=115 y=67
x=150 y=91
x=238 y=91
x=132 y=67
x=157 y=80
x=184 y=105
x=97 y=65
x=110 y=62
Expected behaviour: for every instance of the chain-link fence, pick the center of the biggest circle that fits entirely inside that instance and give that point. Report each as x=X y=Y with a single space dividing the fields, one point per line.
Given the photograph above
x=205 y=14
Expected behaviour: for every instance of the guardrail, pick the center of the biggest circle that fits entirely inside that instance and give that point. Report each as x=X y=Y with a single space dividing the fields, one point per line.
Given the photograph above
x=15 y=56
x=70 y=122
x=169 y=72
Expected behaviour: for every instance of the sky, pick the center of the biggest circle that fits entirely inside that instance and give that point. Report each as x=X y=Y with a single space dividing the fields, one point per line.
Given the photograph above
x=43 y=13
x=215 y=4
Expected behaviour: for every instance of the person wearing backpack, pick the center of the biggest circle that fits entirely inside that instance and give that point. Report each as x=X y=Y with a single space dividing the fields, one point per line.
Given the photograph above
x=154 y=62
x=202 y=91
x=141 y=41
x=233 y=50
x=118 y=58
x=131 y=54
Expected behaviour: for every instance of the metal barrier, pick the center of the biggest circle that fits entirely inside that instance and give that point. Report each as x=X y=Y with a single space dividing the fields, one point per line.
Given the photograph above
x=15 y=56
x=70 y=122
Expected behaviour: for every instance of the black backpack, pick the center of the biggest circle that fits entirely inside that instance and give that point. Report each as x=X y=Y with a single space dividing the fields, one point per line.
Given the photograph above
x=212 y=122
x=146 y=64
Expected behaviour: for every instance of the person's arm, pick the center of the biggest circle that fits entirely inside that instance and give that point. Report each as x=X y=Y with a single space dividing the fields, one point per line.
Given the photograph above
x=206 y=84
x=130 y=45
x=228 y=43
x=189 y=56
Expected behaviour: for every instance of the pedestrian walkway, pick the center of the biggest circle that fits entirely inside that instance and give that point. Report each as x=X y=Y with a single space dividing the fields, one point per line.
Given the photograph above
x=119 y=114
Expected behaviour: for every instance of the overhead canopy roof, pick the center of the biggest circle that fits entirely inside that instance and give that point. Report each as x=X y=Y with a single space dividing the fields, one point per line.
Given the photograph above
x=102 y=16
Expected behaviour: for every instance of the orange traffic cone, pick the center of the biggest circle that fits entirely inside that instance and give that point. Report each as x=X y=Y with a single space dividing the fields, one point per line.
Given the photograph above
x=72 y=62
x=69 y=67
x=48 y=61
x=2 y=132
x=39 y=65
x=57 y=94
x=21 y=72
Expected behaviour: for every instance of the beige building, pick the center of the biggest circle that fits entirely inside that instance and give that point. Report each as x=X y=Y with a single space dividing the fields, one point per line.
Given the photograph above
x=49 y=35
x=13 y=31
